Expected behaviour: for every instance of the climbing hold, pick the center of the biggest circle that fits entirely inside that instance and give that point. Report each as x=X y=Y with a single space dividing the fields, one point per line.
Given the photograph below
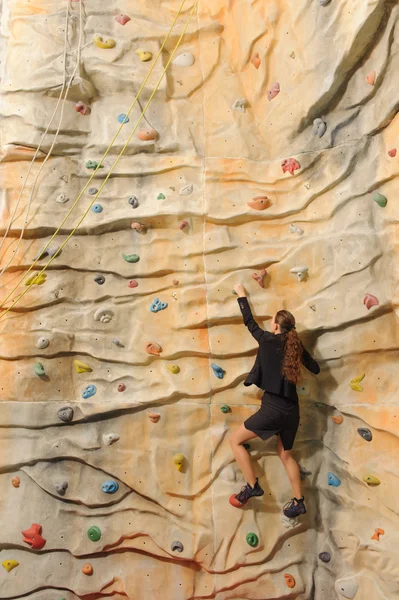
x=131 y=258
x=139 y=227
x=65 y=414
x=183 y=225
x=186 y=59
x=94 y=533
x=157 y=305
x=122 y=19
x=89 y=391
x=32 y=536
x=132 y=283
x=178 y=459
x=93 y=164
x=255 y=60
x=81 y=367
x=110 y=438
x=325 y=556
x=61 y=488
x=175 y=369
x=392 y=153
x=36 y=279
x=252 y=539
x=319 y=127
x=144 y=55
x=92 y=191
x=333 y=480
x=218 y=371
x=42 y=343
x=291 y=165
x=9 y=565
x=369 y=301
x=100 y=279
x=15 y=481
x=122 y=118
x=153 y=348
x=62 y=198
x=39 y=369
x=175 y=282
x=234 y=292
x=104 y=315
x=296 y=229
x=355 y=383
x=147 y=135
x=87 y=569
x=160 y=197
x=380 y=199
x=154 y=417
x=259 y=202
x=121 y=387
x=186 y=190
x=52 y=251
x=347 y=587
x=274 y=90
x=377 y=533
x=174 y=295
x=312 y=307
x=225 y=408
x=133 y=201
x=306 y=185
x=176 y=547
x=82 y=108
x=97 y=208
x=365 y=433
x=338 y=419
x=259 y=278
x=371 y=480
x=101 y=43
x=117 y=343
x=110 y=487
x=239 y=105
x=370 y=79
x=289 y=580
x=292 y=54
x=300 y=272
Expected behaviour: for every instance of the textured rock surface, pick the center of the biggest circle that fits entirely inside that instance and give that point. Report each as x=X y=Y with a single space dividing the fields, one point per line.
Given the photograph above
x=207 y=161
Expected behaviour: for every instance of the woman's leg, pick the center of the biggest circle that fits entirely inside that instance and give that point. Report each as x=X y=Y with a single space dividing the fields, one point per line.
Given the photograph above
x=238 y=437
x=291 y=466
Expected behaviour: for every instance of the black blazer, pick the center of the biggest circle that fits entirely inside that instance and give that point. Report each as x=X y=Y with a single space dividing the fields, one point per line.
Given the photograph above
x=266 y=372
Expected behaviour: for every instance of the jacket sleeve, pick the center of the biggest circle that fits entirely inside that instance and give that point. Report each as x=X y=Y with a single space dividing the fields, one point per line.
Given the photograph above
x=253 y=328
x=309 y=362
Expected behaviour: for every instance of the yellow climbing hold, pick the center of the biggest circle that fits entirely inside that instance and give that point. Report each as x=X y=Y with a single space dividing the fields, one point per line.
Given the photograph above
x=36 y=279
x=355 y=383
x=9 y=565
x=144 y=54
x=175 y=369
x=100 y=43
x=178 y=459
x=371 y=479
x=81 y=367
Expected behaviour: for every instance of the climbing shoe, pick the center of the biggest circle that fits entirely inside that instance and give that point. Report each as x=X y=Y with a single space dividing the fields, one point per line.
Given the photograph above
x=294 y=508
x=247 y=492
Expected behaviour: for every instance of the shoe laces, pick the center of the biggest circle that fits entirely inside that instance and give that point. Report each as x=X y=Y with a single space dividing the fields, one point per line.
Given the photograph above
x=244 y=494
x=289 y=504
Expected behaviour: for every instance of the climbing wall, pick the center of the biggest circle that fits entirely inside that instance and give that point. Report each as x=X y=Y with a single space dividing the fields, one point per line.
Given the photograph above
x=153 y=154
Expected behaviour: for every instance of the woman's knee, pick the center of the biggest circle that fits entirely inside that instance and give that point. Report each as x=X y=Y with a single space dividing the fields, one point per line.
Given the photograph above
x=285 y=455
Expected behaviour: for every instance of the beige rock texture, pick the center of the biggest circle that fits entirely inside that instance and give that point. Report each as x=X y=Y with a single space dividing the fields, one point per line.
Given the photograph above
x=222 y=131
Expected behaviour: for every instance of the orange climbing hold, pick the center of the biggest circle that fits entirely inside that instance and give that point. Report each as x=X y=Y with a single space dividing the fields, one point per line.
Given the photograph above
x=15 y=481
x=259 y=202
x=153 y=348
x=146 y=135
x=87 y=569
x=154 y=417
x=289 y=580
x=338 y=419
x=370 y=79
x=377 y=533
x=255 y=60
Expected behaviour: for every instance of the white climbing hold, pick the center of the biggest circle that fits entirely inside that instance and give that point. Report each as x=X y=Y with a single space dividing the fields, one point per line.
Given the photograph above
x=240 y=105
x=110 y=438
x=296 y=229
x=104 y=315
x=42 y=342
x=346 y=587
x=62 y=198
x=186 y=190
x=306 y=185
x=65 y=178
x=174 y=295
x=319 y=127
x=287 y=522
x=300 y=272
x=186 y=59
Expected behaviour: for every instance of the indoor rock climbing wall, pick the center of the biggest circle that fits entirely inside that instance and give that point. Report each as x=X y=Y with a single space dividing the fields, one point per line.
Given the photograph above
x=266 y=156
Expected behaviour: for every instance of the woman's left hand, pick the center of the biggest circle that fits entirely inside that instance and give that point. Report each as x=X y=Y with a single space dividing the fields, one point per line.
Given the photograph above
x=239 y=289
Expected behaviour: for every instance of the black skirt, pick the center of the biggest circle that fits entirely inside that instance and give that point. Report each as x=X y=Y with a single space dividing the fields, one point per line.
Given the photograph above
x=277 y=415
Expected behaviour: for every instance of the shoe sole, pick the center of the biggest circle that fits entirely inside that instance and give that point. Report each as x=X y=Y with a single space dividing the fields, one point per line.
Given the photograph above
x=295 y=516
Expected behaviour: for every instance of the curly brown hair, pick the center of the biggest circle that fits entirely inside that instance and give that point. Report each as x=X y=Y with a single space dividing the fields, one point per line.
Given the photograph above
x=292 y=346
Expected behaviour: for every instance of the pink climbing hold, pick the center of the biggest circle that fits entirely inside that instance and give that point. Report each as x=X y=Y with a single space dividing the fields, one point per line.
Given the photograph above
x=255 y=60
x=291 y=165
x=370 y=79
x=183 y=225
x=147 y=135
x=274 y=90
x=392 y=152
x=122 y=19
x=139 y=227
x=259 y=202
x=175 y=282
x=132 y=283
x=259 y=278
x=82 y=108
x=121 y=387
x=370 y=301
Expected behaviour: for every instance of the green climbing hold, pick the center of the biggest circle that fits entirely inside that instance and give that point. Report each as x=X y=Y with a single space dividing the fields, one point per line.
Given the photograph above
x=252 y=539
x=225 y=408
x=160 y=197
x=380 y=199
x=131 y=258
x=39 y=369
x=94 y=533
x=234 y=292
x=93 y=164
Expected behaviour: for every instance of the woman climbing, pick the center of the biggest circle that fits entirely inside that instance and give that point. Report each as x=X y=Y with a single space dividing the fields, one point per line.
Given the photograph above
x=276 y=371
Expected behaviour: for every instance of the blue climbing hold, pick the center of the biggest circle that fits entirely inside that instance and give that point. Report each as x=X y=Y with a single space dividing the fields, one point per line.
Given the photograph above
x=97 y=208
x=365 y=433
x=219 y=372
x=122 y=118
x=89 y=391
x=110 y=487
x=157 y=305
x=333 y=480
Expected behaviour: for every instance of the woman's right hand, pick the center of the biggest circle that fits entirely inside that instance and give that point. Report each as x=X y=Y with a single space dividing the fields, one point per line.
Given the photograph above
x=239 y=289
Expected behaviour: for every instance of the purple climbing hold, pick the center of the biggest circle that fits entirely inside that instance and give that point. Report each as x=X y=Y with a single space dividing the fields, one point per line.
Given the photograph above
x=325 y=556
x=100 y=279
x=133 y=202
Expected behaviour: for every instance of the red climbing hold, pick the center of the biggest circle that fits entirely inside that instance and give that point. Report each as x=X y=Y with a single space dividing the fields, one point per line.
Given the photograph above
x=122 y=19
x=82 y=108
x=33 y=538
x=259 y=278
x=392 y=152
x=183 y=225
x=121 y=387
x=132 y=283
x=369 y=301
x=274 y=90
x=291 y=165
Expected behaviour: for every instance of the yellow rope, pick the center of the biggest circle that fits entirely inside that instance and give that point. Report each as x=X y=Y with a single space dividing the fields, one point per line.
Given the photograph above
x=105 y=154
